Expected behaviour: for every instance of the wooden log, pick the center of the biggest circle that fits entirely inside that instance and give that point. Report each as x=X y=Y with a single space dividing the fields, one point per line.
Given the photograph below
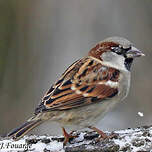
x=128 y=140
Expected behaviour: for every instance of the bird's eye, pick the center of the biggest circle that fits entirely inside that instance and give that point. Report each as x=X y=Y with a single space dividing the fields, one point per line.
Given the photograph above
x=127 y=48
x=117 y=50
x=121 y=50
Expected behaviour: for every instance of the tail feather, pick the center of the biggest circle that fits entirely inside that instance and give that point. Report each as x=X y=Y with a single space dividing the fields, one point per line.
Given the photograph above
x=24 y=129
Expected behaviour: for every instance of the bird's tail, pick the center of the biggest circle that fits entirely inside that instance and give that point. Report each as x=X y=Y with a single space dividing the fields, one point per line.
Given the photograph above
x=24 y=129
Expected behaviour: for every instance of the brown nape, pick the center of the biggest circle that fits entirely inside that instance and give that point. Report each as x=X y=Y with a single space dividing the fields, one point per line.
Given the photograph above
x=100 y=48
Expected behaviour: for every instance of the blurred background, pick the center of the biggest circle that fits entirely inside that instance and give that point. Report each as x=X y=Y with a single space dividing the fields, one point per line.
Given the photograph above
x=40 y=39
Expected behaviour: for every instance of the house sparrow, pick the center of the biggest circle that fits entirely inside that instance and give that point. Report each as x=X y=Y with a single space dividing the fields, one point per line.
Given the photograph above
x=88 y=89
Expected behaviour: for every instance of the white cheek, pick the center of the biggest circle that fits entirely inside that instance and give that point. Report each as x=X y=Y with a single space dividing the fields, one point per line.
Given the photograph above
x=114 y=60
x=119 y=59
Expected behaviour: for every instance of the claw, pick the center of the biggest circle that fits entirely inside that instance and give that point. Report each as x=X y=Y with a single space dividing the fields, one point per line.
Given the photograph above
x=67 y=136
x=101 y=133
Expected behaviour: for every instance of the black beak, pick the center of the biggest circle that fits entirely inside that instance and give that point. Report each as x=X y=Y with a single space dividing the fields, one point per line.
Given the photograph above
x=134 y=52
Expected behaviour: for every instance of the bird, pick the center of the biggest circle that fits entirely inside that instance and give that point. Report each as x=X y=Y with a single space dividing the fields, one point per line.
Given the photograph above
x=87 y=90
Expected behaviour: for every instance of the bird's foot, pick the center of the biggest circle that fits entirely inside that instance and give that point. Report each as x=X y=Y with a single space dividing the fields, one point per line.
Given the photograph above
x=67 y=137
x=103 y=136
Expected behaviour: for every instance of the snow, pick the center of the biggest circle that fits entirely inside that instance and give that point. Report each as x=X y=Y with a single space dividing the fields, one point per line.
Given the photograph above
x=140 y=114
x=80 y=140
x=134 y=139
x=81 y=137
x=52 y=146
x=126 y=131
x=21 y=145
x=129 y=137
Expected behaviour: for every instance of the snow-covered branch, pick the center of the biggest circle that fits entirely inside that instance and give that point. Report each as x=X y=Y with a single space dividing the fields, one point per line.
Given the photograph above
x=134 y=140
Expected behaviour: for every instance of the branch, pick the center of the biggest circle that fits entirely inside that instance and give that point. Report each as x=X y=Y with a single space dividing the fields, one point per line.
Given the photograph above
x=138 y=139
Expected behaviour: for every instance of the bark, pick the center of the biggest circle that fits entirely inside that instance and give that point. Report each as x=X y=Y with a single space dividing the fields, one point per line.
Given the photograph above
x=136 y=140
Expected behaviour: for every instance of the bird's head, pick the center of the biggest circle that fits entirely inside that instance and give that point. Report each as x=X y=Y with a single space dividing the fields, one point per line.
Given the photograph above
x=117 y=51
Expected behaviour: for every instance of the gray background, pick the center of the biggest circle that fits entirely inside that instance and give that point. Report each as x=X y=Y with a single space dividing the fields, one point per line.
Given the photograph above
x=40 y=39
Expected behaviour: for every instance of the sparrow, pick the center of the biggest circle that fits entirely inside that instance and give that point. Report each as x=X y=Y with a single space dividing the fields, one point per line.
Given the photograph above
x=87 y=90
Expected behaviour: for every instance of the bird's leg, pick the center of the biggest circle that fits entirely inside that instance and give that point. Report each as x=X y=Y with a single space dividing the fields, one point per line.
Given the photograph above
x=101 y=133
x=67 y=136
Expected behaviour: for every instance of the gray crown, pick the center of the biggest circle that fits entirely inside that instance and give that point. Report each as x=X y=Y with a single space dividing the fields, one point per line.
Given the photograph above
x=120 y=40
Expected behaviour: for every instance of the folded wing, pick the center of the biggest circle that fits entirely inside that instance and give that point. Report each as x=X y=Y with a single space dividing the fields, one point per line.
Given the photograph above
x=85 y=82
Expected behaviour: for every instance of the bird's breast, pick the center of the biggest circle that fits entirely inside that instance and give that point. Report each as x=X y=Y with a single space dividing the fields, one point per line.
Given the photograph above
x=88 y=115
x=124 y=84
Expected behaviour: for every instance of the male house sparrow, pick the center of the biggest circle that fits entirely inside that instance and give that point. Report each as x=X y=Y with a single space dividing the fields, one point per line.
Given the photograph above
x=88 y=89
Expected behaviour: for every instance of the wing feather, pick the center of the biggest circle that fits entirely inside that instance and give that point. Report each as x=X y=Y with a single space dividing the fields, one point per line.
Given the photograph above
x=83 y=83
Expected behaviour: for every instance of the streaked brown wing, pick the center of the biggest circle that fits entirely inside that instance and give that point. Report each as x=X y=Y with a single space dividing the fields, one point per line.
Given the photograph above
x=72 y=100
x=81 y=84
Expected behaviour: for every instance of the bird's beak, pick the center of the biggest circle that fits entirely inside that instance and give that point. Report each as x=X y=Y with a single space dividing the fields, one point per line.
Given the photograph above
x=134 y=52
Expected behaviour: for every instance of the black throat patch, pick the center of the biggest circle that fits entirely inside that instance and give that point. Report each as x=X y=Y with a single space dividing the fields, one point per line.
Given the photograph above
x=128 y=63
